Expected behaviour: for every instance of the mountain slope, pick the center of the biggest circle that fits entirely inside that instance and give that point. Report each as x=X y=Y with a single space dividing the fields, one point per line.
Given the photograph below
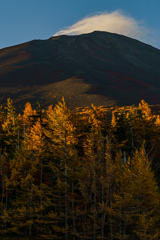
x=100 y=68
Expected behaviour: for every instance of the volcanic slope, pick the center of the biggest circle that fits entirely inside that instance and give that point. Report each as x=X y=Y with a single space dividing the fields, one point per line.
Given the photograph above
x=100 y=68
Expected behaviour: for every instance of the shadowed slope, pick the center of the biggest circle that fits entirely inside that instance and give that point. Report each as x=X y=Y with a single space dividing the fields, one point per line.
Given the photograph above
x=99 y=67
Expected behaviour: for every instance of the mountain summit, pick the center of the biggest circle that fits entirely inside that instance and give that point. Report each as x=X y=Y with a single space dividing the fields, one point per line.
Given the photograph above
x=100 y=68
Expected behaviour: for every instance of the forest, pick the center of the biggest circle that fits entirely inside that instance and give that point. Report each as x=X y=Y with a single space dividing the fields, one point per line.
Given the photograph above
x=88 y=174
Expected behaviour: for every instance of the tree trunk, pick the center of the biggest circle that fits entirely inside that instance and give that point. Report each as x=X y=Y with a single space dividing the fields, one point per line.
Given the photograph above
x=66 y=191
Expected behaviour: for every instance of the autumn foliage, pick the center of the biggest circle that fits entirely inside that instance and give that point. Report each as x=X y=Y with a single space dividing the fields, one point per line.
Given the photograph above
x=89 y=174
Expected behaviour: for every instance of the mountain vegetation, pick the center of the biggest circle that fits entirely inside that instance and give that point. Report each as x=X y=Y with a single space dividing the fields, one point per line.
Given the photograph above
x=88 y=174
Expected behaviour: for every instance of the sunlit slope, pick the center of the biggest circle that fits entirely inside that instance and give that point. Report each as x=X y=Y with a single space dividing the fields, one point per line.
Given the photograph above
x=99 y=68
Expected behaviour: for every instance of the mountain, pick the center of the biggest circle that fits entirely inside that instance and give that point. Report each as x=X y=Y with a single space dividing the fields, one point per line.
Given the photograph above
x=100 y=68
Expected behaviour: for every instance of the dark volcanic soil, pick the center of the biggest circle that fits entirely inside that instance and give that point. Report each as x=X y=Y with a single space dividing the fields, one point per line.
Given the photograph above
x=100 y=68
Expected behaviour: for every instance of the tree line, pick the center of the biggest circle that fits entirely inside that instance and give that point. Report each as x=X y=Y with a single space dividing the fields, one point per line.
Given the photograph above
x=90 y=174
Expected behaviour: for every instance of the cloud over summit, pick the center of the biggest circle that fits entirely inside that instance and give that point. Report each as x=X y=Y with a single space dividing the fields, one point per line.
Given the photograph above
x=115 y=22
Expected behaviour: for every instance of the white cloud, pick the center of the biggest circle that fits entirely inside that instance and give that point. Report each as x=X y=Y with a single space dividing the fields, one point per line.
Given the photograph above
x=115 y=22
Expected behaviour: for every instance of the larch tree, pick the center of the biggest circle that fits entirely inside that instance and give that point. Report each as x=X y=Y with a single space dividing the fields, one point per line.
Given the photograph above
x=63 y=160
x=93 y=167
x=136 y=200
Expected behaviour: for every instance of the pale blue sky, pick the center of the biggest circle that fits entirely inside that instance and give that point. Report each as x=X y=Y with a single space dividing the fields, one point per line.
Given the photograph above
x=25 y=20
